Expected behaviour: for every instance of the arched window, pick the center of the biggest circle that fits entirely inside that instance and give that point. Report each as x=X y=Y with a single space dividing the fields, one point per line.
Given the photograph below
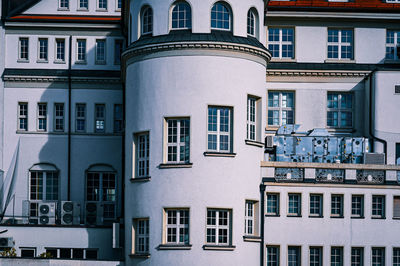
x=147 y=20
x=221 y=17
x=181 y=16
x=252 y=23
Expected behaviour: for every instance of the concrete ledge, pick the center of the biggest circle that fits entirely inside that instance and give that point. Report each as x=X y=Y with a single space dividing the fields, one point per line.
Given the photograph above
x=175 y=165
x=174 y=247
x=254 y=143
x=220 y=248
x=140 y=179
x=140 y=256
x=256 y=239
x=219 y=154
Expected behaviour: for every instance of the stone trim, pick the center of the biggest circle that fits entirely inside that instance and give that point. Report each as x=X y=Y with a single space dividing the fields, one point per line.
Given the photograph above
x=317 y=73
x=58 y=79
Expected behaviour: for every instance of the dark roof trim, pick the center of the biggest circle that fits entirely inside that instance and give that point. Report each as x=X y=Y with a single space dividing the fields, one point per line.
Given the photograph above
x=61 y=73
x=12 y=7
x=332 y=66
x=65 y=18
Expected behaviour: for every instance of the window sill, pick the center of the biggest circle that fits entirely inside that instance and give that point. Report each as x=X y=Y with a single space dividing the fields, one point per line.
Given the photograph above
x=254 y=143
x=140 y=179
x=82 y=9
x=221 y=248
x=174 y=165
x=272 y=215
x=219 y=154
x=350 y=61
x=315 y=216
x=42 y=61
x=101 y=9
x=80 y=62
x=174 y=247
x=23 y=61
x=391 y=61
x=283 y=60
x=62 y=9
x=378 y=218
x=357 y=217
x=337 y=217
x=294 y=215
x=59 y=62
x=100 y=63
x=252 y=238
x=140 y=256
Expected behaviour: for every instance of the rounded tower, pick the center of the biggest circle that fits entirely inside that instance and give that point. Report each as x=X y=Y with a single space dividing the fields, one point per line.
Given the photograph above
x=195 y=118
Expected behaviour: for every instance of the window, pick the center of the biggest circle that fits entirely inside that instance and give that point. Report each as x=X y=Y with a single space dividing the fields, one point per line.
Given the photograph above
x=357 y=206
x=181 y=16
x=253 y=118
x=178 y=140
x=397 y=158
x=23 y=116
x=396 y=207
x=396 y=256
x=280 y=108
x=142 y=155
x=378 y=206
x=43 y=48
x=336 y=256
x=219 y=129
x=392 y=45
x=23 y=49
x=100 y=116
x=102 y=4
x=272 y=256
x=118 y=48
x=59 y=117
x=177 y=226
x=60 y=50
x=100 y=186
x=118 y=123
x=63 y=4
x=141 y=231
x=119 y=4
x=77 y=253
x=294 y=256
x=272 y=204
x=315 y=256
x=42 y=117
x=100 y=51
x=28 y=252
x=281 y=43
x=340 y=44
x=337 y=206
x=147 y=20
x=83 y=4
x=378 y=256
x=43 y=187
x=80 y=117
x=218 y=227
x=250 y=217
x=252 y=23
x=221 y=17
x=81 y=51
x=340 y=110
x=357 y=256
x=316 y=205
x=294 y=204
x=91 y=254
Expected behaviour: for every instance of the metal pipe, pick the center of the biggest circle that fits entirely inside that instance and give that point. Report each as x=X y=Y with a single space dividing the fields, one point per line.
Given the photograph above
x=69 y=119
x=262 y=219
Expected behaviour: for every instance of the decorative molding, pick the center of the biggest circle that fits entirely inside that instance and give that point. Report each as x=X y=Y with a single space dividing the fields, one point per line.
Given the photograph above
x=316 y=73
x=47 y=79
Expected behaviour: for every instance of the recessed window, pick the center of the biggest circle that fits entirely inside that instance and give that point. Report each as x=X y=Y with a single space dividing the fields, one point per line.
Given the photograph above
x=294 y=256
x=253 y=118
x=337 y=205
x=81 y=51
x=272 y=256
x=43 y=49
x=100 y=51
x=221 y=17
x=100 y=116
x=60 y=50
x=378 y=206
x=251 y=218
x=23 y=116
x=396 y=207
x=77 y=253
x=177 y=226
x=281 y=42
x=102 y=4
x=340 y=44
x=252 y=23
x=181 y=16
x=101 y=187
x=118 y=48
x=218 y=227
x=315 y=256
x=23 y=54
x=80 y=115
x=357 y=256
x=178 y=140
x=340 y=110
x=141 y=230
x=392 y=45
x=357 y=206
x=294 y=204
x=63 y=4
x=119 y=4
x=336 y=256
x=147 y=20
x=43 y=185
x=118 y=118
x=378 y=256
x=316 y=205
x=396 y=256
x=59 y=117
x=219 y=134
x=142 y=142
x=280 y=108
x=28 y=252
x=42 y=117
x=91 y=254
x=83 y=4
x=273 y=204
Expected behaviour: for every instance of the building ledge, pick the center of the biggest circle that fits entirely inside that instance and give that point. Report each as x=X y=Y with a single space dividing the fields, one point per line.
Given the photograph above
x=140 y=179
x=219 y=154
x=272 y=215
x=315 y=216
x=174 y=247
x=140 y=256
x=332 y=165
x=220 y=248
x=357 y=217
x=378 y=218
x=337 y=217
x=254 y=143
x=175 y=165
x=252 y=238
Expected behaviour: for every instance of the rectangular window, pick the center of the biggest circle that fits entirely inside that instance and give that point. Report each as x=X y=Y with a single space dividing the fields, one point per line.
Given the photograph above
x=250 y=216
x=272 y=256
x=80 y=117
x=118 y=121
x=23 y=54
x=23 y=116
x=378 y=256
x=294 y=256
x=392 y=45
x=357 y=256
x=272 y=204
x=100 y=116
x=119 y=4
x=43 y=48
x=396 y=207
x=280 y=108
x=42 y=117
x=59 y=117
x=336 y=256
x=294 y=204
x=397 y=154
x=378 y=206
x=63 y=4
x=340 y=110
x=60 y=50
x=118 y=48
x=340 y=44
x=28 y=252
x=83 y=4
x=44 y=185
x=315 y=256
x=337 y=205
x=177 y=226
x=81 y=50
x=102 y=4
x=316 y=205
x=220 y=129
x=218 y=227
x=396 y=256
x=100 y=51
x=141 y=236
x=142 y=155
x=357 y=206
x=178 y=140
x=253 y=120
x=281 y=42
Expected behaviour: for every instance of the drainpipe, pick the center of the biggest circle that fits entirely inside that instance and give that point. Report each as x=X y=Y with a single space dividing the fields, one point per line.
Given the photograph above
x=69 y=118
x=262 y=212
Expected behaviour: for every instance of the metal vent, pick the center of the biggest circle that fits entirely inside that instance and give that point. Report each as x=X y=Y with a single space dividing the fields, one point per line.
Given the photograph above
x=397 y=89
x=374 y=158
x=270 y=141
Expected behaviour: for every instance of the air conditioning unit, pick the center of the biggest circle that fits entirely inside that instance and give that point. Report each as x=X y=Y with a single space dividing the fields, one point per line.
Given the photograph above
x=374 y=158
x=47 y=213
x=70 y=213
x=93 y=213
x=6 y=242
x=269 y=141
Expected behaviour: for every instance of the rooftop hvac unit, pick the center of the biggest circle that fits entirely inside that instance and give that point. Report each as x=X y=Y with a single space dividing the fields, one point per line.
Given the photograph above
x=374 y=158
x=6 y=242
x=47 y=213
x=93 y=213
x=70 y=213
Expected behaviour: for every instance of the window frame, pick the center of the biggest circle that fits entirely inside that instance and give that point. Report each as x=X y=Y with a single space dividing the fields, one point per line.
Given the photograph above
x=253 y=111
x=63 y=7
x=280 y=108
x=81 y=52
x=57 y=117
x=100 y=121
x=320 y=212
x=297 y=250
x=146 y=155
x=396 y=256
x=374 y=214
x=78 y=117
x=217 y=227
x=137 y=235
x=380 y=249
x=281 y=43
x=395 y=45
x=187 y=16
x=251 y=218
x=80 y=8
x=23 y=50
x=299 y=205
x=340 y=44
x=396 y=211
x=217 y=133
x=41 y=117
x=252 y=19
x=353 y=213
x=341 y=207
x=340 y=110
x=57 y=54
x=98 y=8
x=353 y=256
x=41 y=188
x=229 y=11
x=24 y=116
x=118 y=125
x=117 y=55
x=44 y=52
x=177 y=226
x=149 y=20
x=101 y=51
x=275 y=205
x=320 y=255
x=177 y=144
x=276 y=255
x=340 y=255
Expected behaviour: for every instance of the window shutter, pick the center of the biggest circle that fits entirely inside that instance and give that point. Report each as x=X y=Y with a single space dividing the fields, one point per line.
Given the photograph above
x=396 y=207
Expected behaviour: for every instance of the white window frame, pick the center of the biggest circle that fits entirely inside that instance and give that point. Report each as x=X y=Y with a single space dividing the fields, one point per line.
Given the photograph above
x=340 y=44
x=291 y=213
x=141 y=230
x=354 y=209
x=334 y=206
x=23 y=50
x=216 y=227
x=187 y=21
x=22 y=116
x=281 y=110
x=253 y=118
x=281 y=43
x=81 y=53
x=41 y=116
x=117 y=7
x=223 y=21
x=220 y=133
x=83 y=8
x=395 y=45
x=177 y=227
x=80 y=117
x=63 y=4
x=142 y=155
x=102 y=8
x=43 y=50
x=99 y=120
x=146 y=20
x=251 y=218
x=59 y=117
x=170 y=145
x=101 y=52
x=377 y=207
x=339 y=109
x=59 y=50
x=252 y=23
